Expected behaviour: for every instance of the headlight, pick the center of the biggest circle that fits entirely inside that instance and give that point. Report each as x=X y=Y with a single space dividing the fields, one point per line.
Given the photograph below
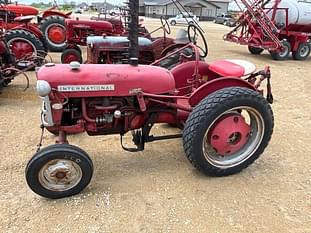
x=43 y=88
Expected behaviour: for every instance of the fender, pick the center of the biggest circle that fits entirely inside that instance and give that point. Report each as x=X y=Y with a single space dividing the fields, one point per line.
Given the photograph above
x=32 y=28
x=48 y=13
x=215 y=85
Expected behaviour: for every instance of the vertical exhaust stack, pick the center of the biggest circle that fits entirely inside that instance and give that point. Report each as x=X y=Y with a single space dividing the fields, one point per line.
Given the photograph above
x=133 y=32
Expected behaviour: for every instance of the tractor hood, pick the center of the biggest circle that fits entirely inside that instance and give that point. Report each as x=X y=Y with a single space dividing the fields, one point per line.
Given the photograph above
x=89 y=24
x=21 y=10
x=106 y=80
x=116 y=41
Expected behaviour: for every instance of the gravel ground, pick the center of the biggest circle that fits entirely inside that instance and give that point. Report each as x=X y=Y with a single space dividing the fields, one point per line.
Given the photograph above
x=157 y=190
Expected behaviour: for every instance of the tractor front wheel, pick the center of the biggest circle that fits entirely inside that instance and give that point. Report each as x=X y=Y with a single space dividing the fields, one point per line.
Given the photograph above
x=302 y=52
x=254 y=50
x=58 y=171
x=70 y=55
x=54 y=32
x=227 y=131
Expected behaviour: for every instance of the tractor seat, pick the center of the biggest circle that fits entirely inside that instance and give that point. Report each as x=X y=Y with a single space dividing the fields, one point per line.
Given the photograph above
x=232 y=67
x=26 y=18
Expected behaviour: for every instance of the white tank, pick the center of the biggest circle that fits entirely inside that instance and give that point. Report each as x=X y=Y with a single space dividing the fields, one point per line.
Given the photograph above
x=299 y=12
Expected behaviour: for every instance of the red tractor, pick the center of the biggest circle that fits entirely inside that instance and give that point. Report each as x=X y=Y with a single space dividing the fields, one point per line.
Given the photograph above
x=107 y=49
x=225 y=120
x=77 y=32
x=47 y=33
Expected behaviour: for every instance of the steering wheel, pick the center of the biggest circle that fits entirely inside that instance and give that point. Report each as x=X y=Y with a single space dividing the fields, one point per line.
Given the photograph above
x=194 y=35
x=165 y=25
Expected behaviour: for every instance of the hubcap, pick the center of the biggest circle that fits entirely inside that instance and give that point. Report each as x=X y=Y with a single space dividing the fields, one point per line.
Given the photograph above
x=60 y=175
x=284 y=51
x=55 y=33
x=21 y=48
x=304 y=51
x=233 y=137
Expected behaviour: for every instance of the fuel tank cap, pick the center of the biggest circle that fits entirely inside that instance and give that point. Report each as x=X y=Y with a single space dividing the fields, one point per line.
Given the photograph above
x=74 y=65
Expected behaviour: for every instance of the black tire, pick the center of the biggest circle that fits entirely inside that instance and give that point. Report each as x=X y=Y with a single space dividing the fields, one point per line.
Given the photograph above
x=18 y=34
x=173 y=22
x=45 y=24
x=282 y=55
x=74 y=156
x=71 y=53
x=254 y=50
x=203 y=121
x=302 y=52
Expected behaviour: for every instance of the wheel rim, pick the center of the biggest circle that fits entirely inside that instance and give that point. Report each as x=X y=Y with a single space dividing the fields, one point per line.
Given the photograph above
x=233 y=137
x=60 y=175
x=71 y=57
x=284 y=52
x=22 y=48
x=56 y=34
x=304 y=51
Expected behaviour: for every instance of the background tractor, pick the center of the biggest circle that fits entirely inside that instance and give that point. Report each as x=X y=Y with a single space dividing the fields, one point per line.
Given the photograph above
x=49 y=28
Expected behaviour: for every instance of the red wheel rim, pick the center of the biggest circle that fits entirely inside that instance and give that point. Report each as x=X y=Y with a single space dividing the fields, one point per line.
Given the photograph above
x=21 y=48
x=70 y=57
x=230 y=134
x=233 y=137
x=56 y=34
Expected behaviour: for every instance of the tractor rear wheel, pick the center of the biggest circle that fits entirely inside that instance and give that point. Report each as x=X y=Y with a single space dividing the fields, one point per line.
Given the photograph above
x=70 y=55
x=25 y=45
x=283 y=54
x=254 y=50
x=54 y=32
x=302 y=52
x=227 y=131
x=59 y=170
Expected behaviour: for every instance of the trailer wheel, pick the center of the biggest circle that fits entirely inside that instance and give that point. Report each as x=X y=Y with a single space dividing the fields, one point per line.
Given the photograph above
x=302 y=52
x=70 y=55
x=283 y=54
x=59 y=170
x=227 y=131
x=254 y=50
x=54 y=32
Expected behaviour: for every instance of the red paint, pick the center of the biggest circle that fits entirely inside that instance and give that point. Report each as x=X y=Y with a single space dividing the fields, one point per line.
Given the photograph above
x=229 y=134
x=226 y=68
x=217 y=84
x=57 y=34
x=21 y=10
x=126 y=78
x=21 y=49
x=78 y=30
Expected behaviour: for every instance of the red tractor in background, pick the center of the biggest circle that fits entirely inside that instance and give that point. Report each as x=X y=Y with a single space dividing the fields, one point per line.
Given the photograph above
x=48 y=33
x=78 y=30
x=110 y=47
x=225 y=120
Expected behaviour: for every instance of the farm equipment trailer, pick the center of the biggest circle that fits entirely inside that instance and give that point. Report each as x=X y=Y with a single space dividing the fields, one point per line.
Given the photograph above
x=280 y=26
